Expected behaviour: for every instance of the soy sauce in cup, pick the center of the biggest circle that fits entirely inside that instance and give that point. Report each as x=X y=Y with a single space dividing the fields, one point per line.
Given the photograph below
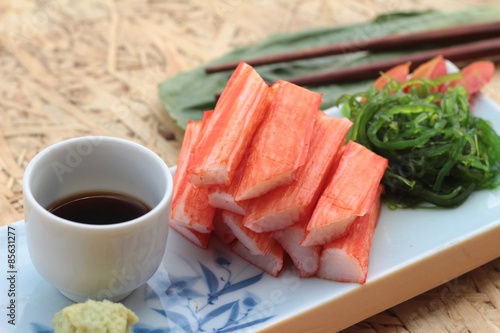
x=99 y=208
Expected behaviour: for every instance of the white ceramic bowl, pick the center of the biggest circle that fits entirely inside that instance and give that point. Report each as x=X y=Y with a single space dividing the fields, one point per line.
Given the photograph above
x=96 y=261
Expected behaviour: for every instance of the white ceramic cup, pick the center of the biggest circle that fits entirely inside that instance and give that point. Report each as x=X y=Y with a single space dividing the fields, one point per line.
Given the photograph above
x=96 y=261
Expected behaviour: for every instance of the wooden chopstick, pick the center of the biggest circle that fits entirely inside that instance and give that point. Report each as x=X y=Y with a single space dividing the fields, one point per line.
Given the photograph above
x=464 y=52
x=393 y=42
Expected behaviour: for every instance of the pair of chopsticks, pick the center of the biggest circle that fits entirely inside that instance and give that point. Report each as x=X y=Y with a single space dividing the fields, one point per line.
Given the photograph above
x=485 y=43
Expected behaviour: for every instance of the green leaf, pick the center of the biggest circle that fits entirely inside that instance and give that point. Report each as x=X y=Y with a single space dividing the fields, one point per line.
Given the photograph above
x=186 y=95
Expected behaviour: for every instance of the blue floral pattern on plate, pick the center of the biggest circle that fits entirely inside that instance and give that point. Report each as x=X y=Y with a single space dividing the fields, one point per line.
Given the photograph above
x=193 y=306
x=211 y=296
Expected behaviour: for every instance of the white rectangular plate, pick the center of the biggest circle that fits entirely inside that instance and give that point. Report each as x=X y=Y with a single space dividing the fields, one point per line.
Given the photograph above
x=215 y=291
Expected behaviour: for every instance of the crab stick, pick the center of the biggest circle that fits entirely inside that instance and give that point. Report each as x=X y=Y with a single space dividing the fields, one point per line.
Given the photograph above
x=190 y=208
x=224 y=197
x=221 y=230
x=346 y=259
x=349 y=193
x=237 y=114
x=271 y=263
x=199 y=239
x=291 y=203
x=281 y=143
x=305 y=258
x=257 y=243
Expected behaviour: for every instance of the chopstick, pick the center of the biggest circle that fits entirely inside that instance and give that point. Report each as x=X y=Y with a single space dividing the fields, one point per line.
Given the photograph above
x=393 y=42
x=464 y=52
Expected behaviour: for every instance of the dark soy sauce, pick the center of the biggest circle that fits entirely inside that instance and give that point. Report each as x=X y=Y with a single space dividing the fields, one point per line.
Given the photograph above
x=99 y=208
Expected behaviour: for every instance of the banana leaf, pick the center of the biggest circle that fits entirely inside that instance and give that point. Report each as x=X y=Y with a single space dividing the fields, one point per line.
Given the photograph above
x=186 y=95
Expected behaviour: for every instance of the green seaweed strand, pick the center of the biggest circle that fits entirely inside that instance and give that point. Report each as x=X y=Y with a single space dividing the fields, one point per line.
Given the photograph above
x=438 y=151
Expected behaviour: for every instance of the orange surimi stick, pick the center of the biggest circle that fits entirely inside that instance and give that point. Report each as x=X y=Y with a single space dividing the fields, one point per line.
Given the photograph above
x=305 y=258
x=223 y=197
x=289 y=204
x=191 y=134
x=197 y=238
x=349 y=193
x=221 y=230
x=257 y=243
x=237 y=115
x=190 y=208
x=273 y=160
x=271 y=263
x=346 y=259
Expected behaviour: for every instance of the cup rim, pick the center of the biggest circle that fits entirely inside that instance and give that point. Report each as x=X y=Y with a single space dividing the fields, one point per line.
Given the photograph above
x=28 y=195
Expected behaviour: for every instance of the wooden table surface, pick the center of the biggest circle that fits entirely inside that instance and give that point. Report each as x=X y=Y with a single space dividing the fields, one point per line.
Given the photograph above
x=72 y=68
